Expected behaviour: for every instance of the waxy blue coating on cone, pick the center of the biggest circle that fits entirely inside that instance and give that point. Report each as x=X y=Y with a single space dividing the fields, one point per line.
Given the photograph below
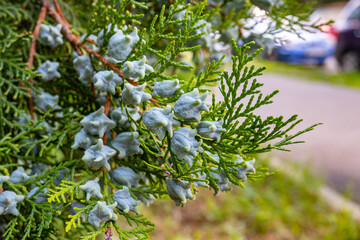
x=92 y=189
x=160 y=121
x=121 y=45
x=190 y=105
x=48 y=71
x=125 y=176
x=121 y=118
x=210 y=129
x=4 y=179
x=46 y=101
x=127 y=144
x=97 y=123
x=19 y=176
x=83 y=67
x=98 y=155
x=248 y=166
x=137 y=69
x=222 y=181
x=106 y=81
x=134 y=95
x=83 y=140
x=166 y=88
x=102 y=213
x=51 y=35
x=179 y=191
x=9 y=201
x=125 y=202
x=184 y=145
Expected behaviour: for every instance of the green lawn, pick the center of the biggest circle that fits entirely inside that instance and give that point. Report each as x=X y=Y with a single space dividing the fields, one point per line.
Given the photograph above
x=278 y=207
x=312 y=73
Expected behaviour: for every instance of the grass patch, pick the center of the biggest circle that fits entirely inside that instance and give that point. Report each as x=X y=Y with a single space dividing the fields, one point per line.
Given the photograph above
x=278 y=207
x=314 y=73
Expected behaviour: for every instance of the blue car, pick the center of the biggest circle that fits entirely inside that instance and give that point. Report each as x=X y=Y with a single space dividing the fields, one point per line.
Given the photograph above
x=311 y=49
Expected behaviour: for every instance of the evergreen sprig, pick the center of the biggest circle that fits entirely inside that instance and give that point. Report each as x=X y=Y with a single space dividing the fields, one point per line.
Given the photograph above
x=65 y=135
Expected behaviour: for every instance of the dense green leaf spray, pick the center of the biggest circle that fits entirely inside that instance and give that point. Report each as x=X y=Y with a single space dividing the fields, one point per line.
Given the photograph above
x=107 y=104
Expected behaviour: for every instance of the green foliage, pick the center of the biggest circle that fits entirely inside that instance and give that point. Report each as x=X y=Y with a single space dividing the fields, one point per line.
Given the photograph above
x=241 y=136
x=66 y=187
x=179 y=44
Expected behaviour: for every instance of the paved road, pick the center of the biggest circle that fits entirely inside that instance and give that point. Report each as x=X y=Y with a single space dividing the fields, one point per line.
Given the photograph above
x=333 y=149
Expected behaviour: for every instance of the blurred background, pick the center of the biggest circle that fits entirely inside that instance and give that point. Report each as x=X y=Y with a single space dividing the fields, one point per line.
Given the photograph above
x=315 y=191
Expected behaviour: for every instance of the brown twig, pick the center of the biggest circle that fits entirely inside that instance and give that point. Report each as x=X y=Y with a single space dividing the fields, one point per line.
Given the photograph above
x=74 y=39
x=32 y=53
x=90 y=41
x=93 y=89
x=107 y=104
x=153 y=101
x=77 y=49
x=58 y=8
x=106 y=112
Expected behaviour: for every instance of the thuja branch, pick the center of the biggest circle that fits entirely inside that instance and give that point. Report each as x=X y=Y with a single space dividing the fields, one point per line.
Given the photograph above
x=74 y=39
x=99 y=166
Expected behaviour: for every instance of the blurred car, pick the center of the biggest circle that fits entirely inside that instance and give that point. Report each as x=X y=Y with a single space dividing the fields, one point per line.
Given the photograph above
x=307 y=48
x=347 y=31
x=302 y=47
